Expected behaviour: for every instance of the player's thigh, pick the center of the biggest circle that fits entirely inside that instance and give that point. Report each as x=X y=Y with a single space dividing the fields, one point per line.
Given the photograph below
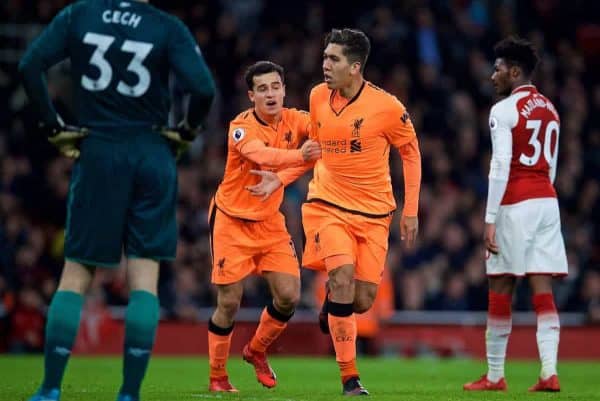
x=97 y=203
x=371 y=248
x=326 y=233
x=548 y=254
x=514 y=227
x=142 y=274
x=277 y=250
x=151 y=221
x=232 y=250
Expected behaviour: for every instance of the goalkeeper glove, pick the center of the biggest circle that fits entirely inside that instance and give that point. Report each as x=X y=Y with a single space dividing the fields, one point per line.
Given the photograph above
x=66 y=138
x=181 y=138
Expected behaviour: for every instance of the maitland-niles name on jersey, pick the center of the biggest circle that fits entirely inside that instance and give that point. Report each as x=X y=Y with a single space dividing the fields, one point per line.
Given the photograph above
x=535 y=102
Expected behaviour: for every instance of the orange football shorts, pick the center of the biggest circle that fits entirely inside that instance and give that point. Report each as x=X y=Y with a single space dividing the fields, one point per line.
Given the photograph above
x=332 y=232
x=242 y=247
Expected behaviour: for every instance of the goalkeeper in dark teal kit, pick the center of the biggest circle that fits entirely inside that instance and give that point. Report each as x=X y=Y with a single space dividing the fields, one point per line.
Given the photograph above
x=123 y=188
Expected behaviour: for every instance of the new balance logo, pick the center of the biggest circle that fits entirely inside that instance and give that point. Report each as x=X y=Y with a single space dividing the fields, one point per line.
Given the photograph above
x=138 y=352
x=355 y=146
x=62 y=351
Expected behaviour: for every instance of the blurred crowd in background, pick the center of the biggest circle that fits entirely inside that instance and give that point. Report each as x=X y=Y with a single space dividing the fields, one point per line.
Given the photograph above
x=435 y=56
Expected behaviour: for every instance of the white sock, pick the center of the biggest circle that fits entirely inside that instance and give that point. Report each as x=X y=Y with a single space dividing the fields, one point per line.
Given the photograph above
x=548 y=332
x=496 y=340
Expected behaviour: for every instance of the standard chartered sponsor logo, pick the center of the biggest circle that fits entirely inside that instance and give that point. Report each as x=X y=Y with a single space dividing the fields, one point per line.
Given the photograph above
x=334 y=146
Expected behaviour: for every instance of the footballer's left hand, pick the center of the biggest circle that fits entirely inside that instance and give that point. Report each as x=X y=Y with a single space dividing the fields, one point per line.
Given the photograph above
x=268 y=184
x=66 y=138
x=181 y=137
x=409 y=227
x=489 y=238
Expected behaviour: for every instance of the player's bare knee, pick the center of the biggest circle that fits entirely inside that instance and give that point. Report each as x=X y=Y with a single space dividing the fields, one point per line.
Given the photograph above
x=502 y=284
x=540 y=283
x=143 y=275
x=341 y=287
x=287 y=299
x=362 y=304
x=76 y=277
x=228 y=305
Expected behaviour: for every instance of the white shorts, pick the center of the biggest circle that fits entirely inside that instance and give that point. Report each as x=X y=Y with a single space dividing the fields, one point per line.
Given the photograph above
x=529 y=240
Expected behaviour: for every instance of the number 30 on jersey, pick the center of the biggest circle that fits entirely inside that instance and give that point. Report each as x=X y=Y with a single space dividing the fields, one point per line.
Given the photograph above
x=140 y=51
x=549 y=153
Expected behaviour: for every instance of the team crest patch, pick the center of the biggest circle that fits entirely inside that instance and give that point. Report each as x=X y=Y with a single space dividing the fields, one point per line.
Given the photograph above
x=238 y=134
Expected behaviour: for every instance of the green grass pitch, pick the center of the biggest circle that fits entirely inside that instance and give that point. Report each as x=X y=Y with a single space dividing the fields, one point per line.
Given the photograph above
x=300 y=379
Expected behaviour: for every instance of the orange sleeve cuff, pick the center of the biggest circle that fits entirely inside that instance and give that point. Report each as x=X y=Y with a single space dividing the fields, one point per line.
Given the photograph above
x=256 y=151
x=411 y=164
x=289 y=175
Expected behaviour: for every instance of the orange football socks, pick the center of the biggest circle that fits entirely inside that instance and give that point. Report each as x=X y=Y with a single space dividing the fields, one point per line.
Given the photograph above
x=342 y=326
x=272 y=323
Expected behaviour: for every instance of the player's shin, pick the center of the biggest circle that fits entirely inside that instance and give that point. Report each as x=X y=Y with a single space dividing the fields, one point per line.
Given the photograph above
x=141 y=319
x=342 y=326
x=219 y=342
x=272 y=323
x=499 y=326
x=61 y=329
x=548 y=332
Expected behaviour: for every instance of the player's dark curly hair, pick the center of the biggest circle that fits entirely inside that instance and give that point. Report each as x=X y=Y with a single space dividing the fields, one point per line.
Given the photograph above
x=260 y=68
x=355 y=44
x=517 y=52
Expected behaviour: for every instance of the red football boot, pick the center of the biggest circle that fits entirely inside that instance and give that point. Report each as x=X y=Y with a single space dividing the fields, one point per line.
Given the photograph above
x=483 y=384
x=221 y=384
x=264 y=373
x=550 y=384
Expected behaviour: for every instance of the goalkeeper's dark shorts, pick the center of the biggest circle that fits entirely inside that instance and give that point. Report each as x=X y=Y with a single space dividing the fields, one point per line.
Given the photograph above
x=122 y=200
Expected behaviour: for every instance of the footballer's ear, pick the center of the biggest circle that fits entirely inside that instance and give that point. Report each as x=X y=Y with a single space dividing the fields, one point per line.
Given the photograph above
x=355 y=67
x=515 y=71
x=251 y=96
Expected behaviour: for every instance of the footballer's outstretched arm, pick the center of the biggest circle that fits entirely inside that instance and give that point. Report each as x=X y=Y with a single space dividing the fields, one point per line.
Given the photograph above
x=190 y=68
x=46 y=50
x=291 y=174
x=271 y=181
x=256 y=151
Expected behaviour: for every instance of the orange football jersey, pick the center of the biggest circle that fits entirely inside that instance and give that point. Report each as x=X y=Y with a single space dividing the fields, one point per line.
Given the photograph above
x=355 y=138
x=232 y=198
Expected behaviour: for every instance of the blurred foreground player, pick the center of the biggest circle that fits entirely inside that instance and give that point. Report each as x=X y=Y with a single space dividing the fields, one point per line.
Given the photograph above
x=123 y=188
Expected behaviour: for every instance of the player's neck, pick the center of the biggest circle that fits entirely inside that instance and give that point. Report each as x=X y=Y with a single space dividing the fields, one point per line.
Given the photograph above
x=268 y=119
x=519 y=83
x=350 y=91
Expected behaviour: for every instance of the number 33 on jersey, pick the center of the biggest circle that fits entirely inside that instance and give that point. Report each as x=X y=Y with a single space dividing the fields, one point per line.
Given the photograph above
x=138 y=50
x=525 y=128
x=122 y=54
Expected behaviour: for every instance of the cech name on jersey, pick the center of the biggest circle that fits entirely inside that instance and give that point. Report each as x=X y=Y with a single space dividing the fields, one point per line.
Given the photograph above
x=121 y=17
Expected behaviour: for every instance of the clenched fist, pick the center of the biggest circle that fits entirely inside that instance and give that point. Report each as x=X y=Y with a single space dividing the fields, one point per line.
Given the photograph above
x=311 y=150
